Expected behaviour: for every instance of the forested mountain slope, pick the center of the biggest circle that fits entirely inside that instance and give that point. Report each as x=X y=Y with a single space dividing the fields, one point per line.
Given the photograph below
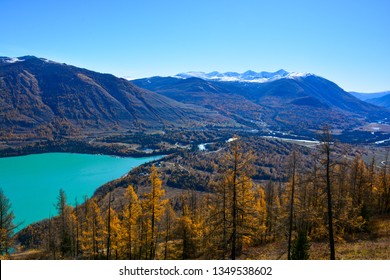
x=40 y=98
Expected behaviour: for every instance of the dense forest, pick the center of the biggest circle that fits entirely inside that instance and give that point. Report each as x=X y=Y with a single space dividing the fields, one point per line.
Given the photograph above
x=327 y=197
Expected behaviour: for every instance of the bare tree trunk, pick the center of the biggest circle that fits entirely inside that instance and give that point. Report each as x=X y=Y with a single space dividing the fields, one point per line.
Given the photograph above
x=130 y=233
x=234 y=206
x=152 y=241
x=167 y=234
x=386 y=186
x=224 y=233
x=52 y=247
x=291 y=204
x=109 y=227
x=327 y=150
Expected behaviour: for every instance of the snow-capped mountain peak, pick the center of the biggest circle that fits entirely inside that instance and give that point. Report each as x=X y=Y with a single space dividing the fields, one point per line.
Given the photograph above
x=248 y=76
x=10 y=60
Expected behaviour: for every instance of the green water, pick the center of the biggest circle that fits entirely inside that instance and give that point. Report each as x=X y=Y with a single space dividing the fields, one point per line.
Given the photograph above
x=32 y=182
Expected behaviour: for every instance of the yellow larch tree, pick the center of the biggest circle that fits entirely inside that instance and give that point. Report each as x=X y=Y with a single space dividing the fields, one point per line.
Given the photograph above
x=114 y=234
x=168 y=227
x=153 y=209
x=129 y=224
x=92 y=241
x=233 y=203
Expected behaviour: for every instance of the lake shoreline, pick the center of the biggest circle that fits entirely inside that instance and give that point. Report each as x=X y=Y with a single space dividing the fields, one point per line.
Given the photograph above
x=80 y=147
x=33 y=181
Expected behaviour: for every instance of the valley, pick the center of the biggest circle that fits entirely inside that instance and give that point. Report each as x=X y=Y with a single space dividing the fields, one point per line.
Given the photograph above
x=48 y=101
x=212 y=129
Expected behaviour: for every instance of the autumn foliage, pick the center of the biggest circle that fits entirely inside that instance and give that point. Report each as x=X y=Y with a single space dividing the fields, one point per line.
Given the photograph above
x=233 y=214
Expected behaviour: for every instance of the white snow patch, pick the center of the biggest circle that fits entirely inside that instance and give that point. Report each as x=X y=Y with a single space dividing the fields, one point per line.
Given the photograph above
x=192 y=74
x=13 y=60
x=298 y=74
x=231 y=139
x=49 y=61
x=226 y=79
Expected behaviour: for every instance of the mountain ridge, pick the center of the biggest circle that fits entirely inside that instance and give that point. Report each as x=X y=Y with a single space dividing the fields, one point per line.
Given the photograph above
x=247 y=76
x=383 y=101
x=366 y=96
x=297 y=102
x=42 y=97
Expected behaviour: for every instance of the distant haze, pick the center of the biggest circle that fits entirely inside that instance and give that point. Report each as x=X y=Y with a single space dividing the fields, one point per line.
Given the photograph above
x=366 y=96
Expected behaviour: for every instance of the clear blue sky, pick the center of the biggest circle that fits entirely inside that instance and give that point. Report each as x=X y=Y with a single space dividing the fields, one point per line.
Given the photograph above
x=347 y=42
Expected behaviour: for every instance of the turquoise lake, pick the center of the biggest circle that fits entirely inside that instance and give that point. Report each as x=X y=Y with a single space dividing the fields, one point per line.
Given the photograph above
x=32 y=182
